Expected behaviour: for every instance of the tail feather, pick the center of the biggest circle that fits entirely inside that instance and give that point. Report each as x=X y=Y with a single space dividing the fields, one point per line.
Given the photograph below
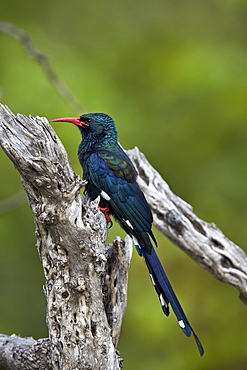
x=166 y=293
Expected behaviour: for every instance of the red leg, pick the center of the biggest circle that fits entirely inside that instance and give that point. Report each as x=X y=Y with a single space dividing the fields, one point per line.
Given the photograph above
x=106 y=211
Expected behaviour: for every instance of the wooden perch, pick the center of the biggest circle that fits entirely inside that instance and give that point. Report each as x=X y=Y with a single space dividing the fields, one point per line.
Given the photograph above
x=86 y=279
x=202 y=241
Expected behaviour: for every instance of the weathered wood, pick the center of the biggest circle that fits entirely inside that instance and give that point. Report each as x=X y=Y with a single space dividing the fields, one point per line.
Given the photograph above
x=202 y=241
x=18 y=353
x=85 y=292
x=86 y=279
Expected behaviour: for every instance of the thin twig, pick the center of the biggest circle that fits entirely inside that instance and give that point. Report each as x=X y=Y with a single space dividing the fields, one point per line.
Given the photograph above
x=61 y=87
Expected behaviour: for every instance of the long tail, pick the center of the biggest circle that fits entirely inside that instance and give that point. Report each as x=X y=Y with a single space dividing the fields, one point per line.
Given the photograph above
x=166 y=293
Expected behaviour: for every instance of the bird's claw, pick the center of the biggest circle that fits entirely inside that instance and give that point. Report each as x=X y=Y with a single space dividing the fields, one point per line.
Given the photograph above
x=106 y=211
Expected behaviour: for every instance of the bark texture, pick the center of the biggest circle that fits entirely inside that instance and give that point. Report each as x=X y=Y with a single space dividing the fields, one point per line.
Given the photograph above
x=202 y=241
x=86 y=279
x=24 y=353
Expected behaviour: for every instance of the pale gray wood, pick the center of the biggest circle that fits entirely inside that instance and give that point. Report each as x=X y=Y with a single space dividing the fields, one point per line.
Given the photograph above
x=17 y=353
x=202 y=241
x=86 y=279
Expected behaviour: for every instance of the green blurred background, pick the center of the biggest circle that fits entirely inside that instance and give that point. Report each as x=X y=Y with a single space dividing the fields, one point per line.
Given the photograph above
x=173 y=74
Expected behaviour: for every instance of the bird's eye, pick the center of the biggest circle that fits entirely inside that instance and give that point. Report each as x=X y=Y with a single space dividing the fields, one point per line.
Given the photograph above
x=86 y=119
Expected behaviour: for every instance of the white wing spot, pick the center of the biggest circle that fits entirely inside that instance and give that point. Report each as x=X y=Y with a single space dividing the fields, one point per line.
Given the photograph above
x=181 y=324
x=152 y=280
x=162 y=301
x=105 y=195
x=136 y=242
x=129 y=224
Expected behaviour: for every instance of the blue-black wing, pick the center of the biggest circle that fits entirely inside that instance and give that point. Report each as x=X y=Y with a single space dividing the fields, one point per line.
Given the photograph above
x=114 y=177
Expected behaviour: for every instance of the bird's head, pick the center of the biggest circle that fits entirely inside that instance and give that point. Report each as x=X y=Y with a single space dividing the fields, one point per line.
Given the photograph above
x=92 y=123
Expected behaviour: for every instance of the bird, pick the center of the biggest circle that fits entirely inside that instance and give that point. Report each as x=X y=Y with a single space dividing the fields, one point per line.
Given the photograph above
x=111 y=175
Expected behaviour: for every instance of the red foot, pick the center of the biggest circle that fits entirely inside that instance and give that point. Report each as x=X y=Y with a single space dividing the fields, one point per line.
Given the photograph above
x=106 y=211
